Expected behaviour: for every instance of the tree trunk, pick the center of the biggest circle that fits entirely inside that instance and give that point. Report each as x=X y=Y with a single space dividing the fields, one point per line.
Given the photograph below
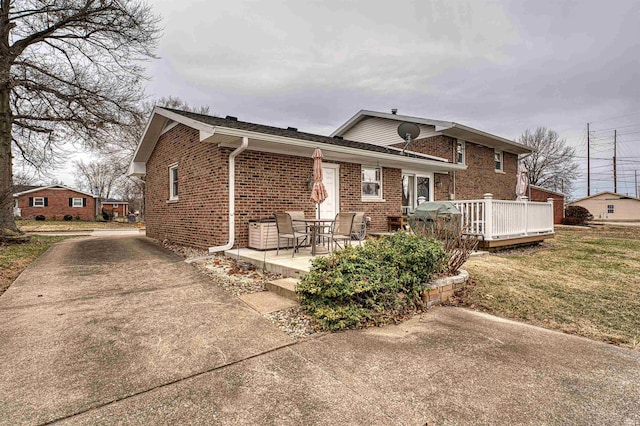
x=7 y=222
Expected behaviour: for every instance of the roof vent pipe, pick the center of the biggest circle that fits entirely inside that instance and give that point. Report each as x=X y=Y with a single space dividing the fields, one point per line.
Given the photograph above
x=232 y=197
x=394 y=111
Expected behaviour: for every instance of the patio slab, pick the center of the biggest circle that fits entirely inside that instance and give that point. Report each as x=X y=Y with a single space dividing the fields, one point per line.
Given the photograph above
x=282 y=264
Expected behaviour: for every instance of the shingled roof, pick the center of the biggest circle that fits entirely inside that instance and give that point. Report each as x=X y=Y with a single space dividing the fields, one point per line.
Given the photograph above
x=234 y=123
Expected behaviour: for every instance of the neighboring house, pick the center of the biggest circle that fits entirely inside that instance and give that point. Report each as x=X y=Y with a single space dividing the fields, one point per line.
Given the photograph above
x=538 y=193
x=490 y=161
x=54 y=200
x=206 y=177
x=611 y=206
x=115 y=208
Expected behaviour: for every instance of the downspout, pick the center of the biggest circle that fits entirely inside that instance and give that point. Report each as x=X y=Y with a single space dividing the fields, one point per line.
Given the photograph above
x=232 y=197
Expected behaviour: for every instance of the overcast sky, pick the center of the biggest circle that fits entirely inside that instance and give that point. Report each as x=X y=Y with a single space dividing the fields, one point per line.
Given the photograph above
x=499 y=66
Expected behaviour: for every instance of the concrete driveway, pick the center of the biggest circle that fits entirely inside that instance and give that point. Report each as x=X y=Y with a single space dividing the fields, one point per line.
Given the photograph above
x=118 y=330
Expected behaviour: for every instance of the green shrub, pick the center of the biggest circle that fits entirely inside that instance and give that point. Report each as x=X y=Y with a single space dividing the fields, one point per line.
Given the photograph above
x=378 y=283
x=54 y=218
x=100 y=218
x=576 y=215
x=77 y=217
x=40 y=217
x=67 y=217
x=18 y=218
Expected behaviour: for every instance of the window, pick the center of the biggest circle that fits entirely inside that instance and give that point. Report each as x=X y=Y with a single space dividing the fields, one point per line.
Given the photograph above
x=371 y=183
x=38 y=201
x=460 y=151
x=115 y=206
x=610 y=208
x=173 y=182
x=77 y=202
x=498 y=160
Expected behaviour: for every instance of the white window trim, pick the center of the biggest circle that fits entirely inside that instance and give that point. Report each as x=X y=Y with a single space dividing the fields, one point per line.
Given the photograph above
x=73 y=203
x=374 y=198
x=501 y=169
x=38 y=198
x=173 y=197
x=464 y=151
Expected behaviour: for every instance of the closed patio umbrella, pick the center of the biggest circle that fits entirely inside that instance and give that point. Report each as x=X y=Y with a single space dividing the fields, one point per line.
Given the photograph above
x=523 y=181
x=319 y=192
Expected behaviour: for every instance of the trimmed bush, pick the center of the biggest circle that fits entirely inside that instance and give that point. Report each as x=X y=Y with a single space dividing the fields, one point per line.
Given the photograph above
x=77 y=217
x=576 y=215
x=377 y=283
x=40 y=217
x=68 y=218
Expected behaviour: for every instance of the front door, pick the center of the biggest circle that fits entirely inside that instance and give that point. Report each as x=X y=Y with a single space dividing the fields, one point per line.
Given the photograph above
x=330 y=177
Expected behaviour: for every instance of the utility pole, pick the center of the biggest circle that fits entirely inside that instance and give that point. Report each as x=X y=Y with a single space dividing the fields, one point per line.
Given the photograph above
x=615 y=176
x=588 y=162
x=635 y=174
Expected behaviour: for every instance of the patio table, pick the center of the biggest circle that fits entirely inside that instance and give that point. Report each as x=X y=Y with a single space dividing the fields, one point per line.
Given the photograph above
x=315 y=225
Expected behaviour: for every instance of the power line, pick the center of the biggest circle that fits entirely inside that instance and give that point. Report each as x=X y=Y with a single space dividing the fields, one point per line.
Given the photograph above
x=614 y=118
x=617 y=127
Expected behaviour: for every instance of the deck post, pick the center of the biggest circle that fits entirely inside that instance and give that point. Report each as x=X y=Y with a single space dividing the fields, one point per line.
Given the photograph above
x=487 y=212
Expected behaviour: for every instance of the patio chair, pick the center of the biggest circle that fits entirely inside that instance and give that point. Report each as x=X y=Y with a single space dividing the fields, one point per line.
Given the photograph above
x=340 y=230
x=285 y=229
x=359 y=227
x=298 y=226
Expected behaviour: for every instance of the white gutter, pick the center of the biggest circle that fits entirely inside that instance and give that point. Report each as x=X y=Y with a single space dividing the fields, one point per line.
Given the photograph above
x=232 y=197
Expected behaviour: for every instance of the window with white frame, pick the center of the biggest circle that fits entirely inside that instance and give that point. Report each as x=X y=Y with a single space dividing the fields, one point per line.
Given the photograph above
x=38 y=201
x=371 y=183
x=460 y=152
x=173 y=182
x=610 y=208
x=77 y=202
x=498 y=159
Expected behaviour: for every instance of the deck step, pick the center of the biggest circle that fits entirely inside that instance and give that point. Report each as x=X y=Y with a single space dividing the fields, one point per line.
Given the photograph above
x=266 y=302
x=285 y=287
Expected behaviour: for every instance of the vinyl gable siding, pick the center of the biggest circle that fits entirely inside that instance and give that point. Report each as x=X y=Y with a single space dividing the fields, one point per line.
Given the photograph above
x=381 y=131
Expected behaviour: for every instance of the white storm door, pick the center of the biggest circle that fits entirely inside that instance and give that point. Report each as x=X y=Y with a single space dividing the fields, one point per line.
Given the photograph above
x=331 y=206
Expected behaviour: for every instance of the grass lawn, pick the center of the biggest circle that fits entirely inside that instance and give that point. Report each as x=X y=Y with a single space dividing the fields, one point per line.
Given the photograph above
x=15 y=258
x=60 y=225
x=585 y=282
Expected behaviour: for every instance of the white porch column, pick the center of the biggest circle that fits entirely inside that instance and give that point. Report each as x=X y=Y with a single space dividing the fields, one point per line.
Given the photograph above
x=487 y=212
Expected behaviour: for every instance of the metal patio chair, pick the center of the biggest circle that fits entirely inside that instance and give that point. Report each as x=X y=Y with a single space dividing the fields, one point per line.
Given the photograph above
x=286 y=229
x=340 y=230
x=359 y=227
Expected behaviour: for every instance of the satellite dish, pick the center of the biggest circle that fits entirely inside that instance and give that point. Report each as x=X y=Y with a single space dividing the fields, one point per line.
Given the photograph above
x=408 y=132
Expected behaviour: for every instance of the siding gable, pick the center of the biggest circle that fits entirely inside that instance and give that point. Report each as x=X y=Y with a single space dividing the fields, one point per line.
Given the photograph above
x=381 y=131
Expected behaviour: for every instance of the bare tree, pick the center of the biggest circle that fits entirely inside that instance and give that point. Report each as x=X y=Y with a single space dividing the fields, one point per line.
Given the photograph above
x=105 y=175
x=70 y=71
x=552 y=163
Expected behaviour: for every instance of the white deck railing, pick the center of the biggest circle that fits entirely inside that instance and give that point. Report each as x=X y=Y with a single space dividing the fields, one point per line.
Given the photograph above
x=503 y=219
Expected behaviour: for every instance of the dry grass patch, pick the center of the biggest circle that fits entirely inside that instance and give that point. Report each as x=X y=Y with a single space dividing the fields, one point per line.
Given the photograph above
x=16 y=257
x=585 y=282
x=61 y=226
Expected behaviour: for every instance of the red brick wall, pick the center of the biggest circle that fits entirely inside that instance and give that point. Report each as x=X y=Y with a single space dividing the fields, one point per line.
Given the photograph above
x=480 y=176
x=58 y=205
x=558 y=202
x=265 y=183
x=121 y=209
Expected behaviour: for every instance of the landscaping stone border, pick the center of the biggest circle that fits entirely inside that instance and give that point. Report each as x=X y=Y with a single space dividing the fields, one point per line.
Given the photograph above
x=441 y=289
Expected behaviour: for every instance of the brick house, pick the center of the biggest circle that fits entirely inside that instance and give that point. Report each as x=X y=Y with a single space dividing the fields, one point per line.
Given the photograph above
x=54 y=201
x=490 y=161
x=206 y=177
x=115 y=208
